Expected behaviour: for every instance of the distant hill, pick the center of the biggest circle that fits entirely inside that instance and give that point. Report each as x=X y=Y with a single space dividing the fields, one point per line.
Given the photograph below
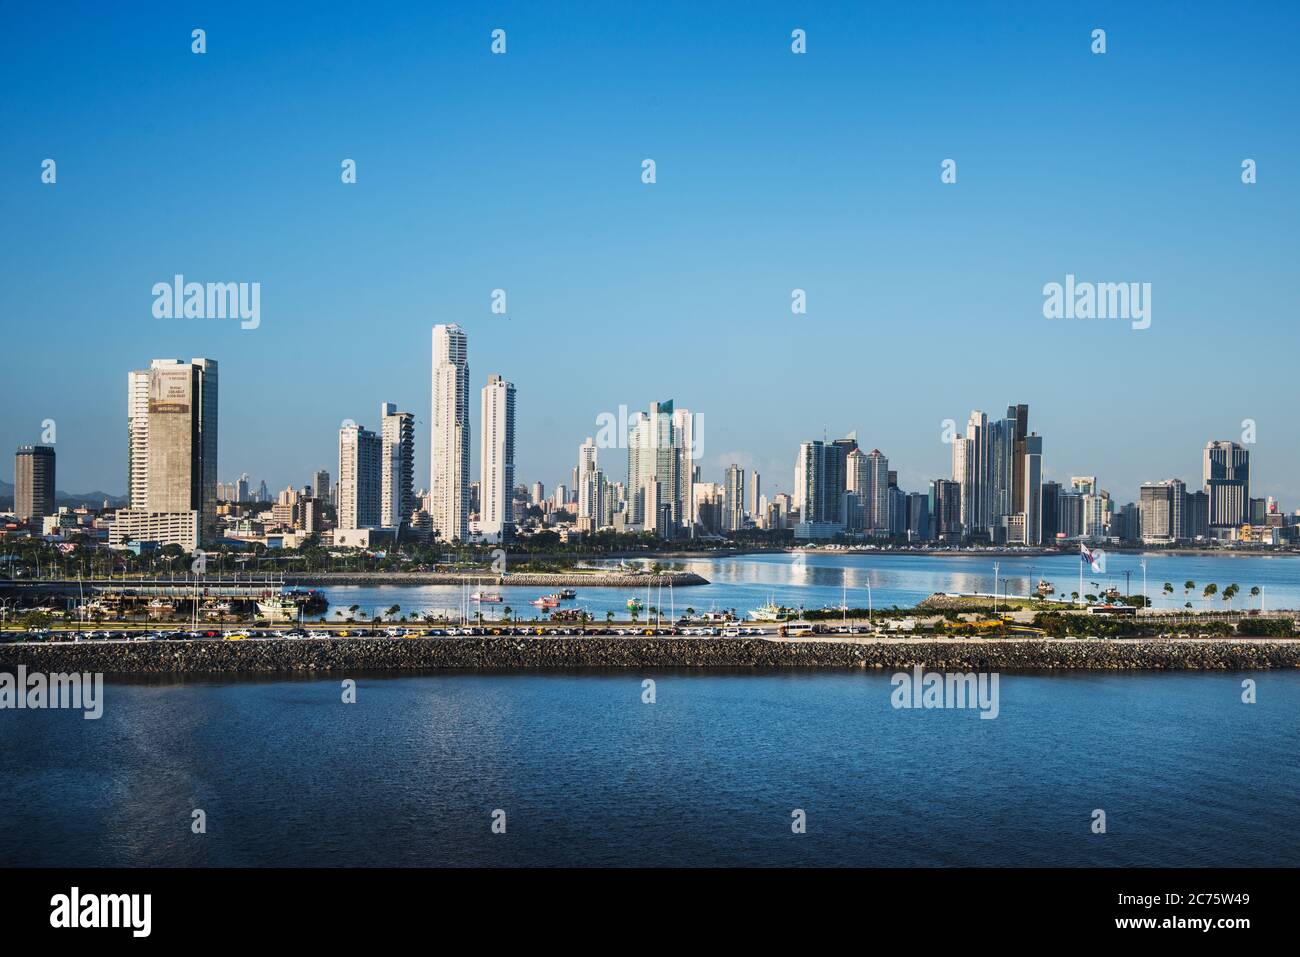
x=71 y=499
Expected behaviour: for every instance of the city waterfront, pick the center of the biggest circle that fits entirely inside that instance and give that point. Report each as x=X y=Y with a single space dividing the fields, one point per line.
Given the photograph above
x=819 y=579
x=709 y=774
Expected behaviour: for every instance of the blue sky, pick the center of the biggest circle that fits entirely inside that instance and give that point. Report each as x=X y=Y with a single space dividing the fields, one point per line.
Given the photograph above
x=775 y=172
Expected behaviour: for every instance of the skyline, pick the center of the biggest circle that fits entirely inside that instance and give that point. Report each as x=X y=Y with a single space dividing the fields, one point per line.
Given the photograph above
x=775 y=173
x=452 y=340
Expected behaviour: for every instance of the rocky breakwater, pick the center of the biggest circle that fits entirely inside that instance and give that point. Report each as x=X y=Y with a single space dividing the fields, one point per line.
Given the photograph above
x=422 y=654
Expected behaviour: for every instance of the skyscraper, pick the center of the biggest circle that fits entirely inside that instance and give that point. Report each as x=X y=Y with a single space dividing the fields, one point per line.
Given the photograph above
x=733 y=499
x=172 y=454
x=320 y=485
x=1031 y=492
x=1160 y=506
x=497 y=464
x=970 y=470
x=945 y=510
x=397 y=467
x=685 y=437
x=1226 y=475
x=449 y=449
x=1018 y=415
x=360 y=496
x=33 y=483
x=587 y=487
x=876 y=496
x=655 y=451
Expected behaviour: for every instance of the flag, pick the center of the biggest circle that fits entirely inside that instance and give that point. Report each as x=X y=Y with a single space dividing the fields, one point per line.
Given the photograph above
x=1096 y=560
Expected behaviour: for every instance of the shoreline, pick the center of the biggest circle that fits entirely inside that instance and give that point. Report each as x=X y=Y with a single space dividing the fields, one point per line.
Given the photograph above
x=355 y=655
x=677 y=579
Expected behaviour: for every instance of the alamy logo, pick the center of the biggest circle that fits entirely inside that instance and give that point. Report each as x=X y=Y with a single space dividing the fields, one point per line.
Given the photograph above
x=623 y=431
x=103 y=910
x=1102 y=300
x=84 y=692
x=214 y=300
x=922 y=689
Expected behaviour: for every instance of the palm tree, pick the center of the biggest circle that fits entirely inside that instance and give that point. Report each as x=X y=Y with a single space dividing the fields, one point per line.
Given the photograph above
x=506 y=611
x=1188 y=586
x=1255 y=593
x=1230 y=593
x=392 y=611
x=1209 y=592
x=1169 y=588
x=609 y=618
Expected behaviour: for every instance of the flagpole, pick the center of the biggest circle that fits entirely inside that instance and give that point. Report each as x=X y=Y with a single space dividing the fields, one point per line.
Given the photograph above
x=1082 y=550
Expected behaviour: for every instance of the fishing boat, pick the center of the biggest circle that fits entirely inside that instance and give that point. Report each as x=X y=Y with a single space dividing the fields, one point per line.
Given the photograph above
x=772 y=612
x=545 y=601
x=487 y=597
x=568 y=594
x=280 y=608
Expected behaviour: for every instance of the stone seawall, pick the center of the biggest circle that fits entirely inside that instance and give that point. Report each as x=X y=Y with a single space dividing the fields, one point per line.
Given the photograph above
x=531 y=579
x=364 y=654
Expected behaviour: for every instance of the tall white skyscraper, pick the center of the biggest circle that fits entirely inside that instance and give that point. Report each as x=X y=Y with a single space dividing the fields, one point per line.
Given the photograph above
x=497 y=463
x=449 y=449
x=137 y=429
x=397 y=466
x=970 y=470
x=587 y=487
x=685 y=435
x=360 y=497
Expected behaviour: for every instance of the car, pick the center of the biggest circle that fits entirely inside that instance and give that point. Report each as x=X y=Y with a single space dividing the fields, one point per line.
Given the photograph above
x=730 y=632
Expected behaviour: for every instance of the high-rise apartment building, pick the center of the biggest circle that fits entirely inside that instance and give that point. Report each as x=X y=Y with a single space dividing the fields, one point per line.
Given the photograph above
x=360 y=484
x=397 y=467
x=320 y=485
x=33 y=483
x=449 y=448
x=497 y=463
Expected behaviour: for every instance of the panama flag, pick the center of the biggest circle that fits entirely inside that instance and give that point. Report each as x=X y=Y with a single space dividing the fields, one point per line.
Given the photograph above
x=1097 y=559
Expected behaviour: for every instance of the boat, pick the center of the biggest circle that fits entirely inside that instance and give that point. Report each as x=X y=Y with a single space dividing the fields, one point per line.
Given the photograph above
x=634 y=604
x=281 y=608
x=487 y=597
x=568 y=593
x=544 y=602
x=1045 y=587
x=772 y=612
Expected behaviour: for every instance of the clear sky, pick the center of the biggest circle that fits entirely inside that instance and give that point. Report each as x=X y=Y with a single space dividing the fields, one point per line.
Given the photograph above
x=775 y=171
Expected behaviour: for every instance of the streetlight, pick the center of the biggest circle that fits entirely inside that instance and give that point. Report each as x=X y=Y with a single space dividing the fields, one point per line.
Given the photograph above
x=1143 y=563
x=995 y=588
